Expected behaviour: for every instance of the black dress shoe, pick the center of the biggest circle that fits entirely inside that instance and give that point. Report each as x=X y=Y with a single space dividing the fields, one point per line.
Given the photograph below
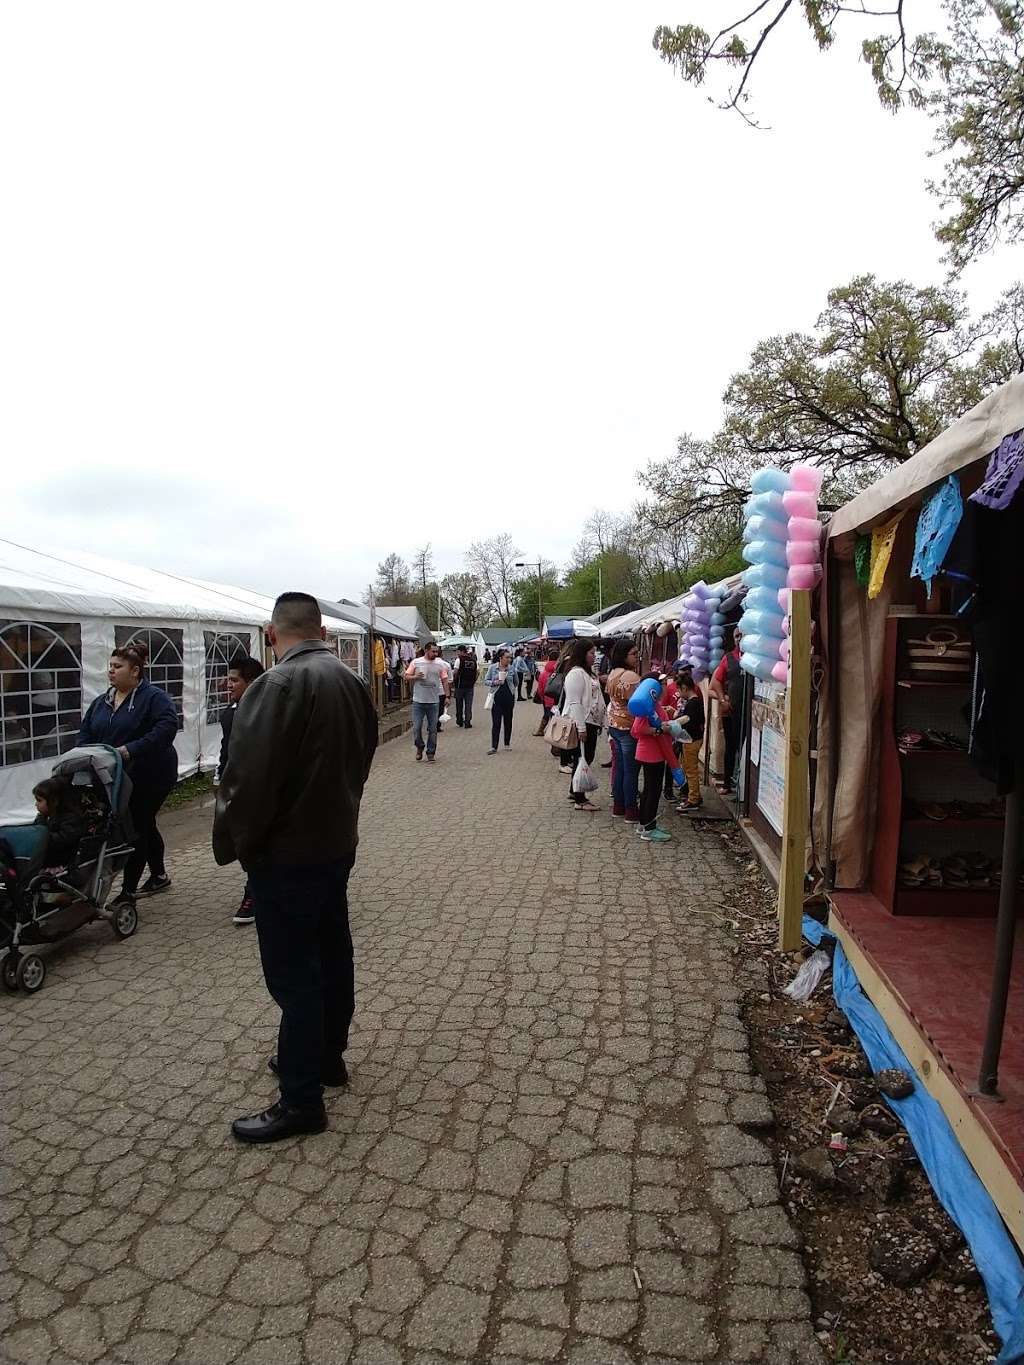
x=336 y=1075
x=279 y=1121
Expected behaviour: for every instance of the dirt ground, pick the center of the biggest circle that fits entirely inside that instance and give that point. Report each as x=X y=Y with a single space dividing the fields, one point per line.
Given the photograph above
x=874 y=1192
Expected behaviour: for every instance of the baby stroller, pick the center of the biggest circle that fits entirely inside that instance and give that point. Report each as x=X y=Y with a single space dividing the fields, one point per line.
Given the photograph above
x=41 y=905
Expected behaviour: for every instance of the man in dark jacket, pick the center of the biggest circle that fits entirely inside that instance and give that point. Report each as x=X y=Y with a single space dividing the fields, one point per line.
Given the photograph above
x=302 y=742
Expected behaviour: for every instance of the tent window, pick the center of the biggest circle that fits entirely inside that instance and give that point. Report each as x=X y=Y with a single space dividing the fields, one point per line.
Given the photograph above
x=166 y=666
x=348 y=652
x=40 y=690
x=220 y=650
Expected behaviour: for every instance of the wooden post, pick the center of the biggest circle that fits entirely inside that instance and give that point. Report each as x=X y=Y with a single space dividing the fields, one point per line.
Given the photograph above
x=796 y=814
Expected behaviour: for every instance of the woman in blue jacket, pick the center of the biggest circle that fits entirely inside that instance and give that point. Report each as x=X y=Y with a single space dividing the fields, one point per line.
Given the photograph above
x=139 y=720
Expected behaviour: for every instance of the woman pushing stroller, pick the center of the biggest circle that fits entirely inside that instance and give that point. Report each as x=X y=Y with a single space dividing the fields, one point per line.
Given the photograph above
x=139 y=720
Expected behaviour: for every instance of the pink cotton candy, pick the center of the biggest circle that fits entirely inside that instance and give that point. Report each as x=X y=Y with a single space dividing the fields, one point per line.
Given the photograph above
x=804 y=528
x=784 y=650
x=803 y=577
x=800 y=504
x=784 y=599
x=780 y=673
x=804 y=478
x=785 y=625
x=802 y=552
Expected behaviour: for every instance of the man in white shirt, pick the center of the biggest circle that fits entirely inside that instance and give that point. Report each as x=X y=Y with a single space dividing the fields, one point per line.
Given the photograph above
x=430 y=677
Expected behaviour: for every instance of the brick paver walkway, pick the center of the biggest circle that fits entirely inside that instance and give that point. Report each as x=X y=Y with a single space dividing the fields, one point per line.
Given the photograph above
x=546 y=1152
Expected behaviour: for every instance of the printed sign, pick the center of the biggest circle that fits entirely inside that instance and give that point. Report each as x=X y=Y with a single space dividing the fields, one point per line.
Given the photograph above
x=771 y=783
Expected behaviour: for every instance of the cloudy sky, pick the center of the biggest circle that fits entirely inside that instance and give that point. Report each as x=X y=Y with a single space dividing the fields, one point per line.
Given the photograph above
x=289 y=287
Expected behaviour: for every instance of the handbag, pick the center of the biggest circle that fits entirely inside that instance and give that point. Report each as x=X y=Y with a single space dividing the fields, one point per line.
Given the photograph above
x=942 y=652
x=562 y=733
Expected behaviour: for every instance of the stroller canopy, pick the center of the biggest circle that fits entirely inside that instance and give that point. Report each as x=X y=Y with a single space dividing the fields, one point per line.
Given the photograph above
x=105 y=764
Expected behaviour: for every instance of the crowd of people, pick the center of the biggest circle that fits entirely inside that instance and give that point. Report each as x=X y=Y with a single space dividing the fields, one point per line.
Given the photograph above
x=298 y=742
x=586 y=690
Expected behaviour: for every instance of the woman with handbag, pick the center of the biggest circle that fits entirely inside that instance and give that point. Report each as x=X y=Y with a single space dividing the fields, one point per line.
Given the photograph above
x=501 y=684
x=583 y=705
x=543 y=678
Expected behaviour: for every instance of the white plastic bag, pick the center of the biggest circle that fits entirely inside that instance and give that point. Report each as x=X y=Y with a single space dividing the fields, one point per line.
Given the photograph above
x=583 y=780
x=808 y=978
x=443 y=720
x=489 y=703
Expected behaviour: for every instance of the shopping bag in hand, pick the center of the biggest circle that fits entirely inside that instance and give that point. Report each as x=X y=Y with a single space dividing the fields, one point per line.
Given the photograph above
x=489 y=703
x=442 y=721
x=583 y=780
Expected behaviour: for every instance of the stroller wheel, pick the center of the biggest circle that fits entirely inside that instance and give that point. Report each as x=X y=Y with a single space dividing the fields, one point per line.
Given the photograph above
x=10 y=971
x=126 y=920
x=31 y=972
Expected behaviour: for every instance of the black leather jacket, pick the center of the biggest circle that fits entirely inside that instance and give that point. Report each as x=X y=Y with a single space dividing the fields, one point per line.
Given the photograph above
x=302 y=742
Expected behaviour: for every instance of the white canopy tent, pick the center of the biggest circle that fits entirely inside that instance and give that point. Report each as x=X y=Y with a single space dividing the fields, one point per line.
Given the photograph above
x=61 y=614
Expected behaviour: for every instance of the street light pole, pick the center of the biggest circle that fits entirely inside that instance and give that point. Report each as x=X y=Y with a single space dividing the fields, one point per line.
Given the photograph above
x=539 y=565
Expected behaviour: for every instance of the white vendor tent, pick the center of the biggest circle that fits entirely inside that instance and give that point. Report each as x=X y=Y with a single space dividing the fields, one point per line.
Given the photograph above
x=61 y=614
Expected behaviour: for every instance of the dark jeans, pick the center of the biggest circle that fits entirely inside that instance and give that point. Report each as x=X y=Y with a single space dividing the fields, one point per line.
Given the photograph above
x=425 y=711
x=650 y=800
x=520 y=679
x=306 y=951
x=501 y=715
x=588 y=750
x=624 y=769
x=149 y=844
x=463 y=706
x=731 y=734
x=529 y=686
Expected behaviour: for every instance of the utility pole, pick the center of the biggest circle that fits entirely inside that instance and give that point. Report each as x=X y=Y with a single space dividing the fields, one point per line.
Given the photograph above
x=539 y=565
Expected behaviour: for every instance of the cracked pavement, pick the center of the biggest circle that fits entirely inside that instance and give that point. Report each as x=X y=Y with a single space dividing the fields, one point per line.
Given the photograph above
x=548 y=1151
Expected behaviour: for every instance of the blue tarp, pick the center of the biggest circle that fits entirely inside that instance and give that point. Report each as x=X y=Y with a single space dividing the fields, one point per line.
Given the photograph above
x=952 y=1176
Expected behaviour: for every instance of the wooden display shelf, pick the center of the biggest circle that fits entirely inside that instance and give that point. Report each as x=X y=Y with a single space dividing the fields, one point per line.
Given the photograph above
x=894 y=823
x=919 y=682
x=946 y=900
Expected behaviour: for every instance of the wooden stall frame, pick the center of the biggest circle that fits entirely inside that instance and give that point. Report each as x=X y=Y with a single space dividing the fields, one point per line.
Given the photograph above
x=796 y=815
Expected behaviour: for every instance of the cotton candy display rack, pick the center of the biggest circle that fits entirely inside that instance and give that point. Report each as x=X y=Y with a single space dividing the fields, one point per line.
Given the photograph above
x=782 y=546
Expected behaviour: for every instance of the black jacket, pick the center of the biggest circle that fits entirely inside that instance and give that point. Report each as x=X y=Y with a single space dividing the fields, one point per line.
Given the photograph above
x=302 y=741
x=227 y=719
x=66 y=829
x=146 y=723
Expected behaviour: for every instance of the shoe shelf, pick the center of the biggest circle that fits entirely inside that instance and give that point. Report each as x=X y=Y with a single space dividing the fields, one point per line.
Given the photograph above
x=908 y=844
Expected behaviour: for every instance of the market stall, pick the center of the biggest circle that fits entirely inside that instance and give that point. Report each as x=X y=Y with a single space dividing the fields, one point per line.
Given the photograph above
x=917 y=810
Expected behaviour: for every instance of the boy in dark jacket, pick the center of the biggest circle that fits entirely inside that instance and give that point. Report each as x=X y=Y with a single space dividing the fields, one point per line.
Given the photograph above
x=241 y=673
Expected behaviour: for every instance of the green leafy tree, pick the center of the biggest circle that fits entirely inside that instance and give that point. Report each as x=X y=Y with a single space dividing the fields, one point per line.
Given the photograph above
x=970 y=81
x=393 y=583
x=979 y=108
x=886 y=368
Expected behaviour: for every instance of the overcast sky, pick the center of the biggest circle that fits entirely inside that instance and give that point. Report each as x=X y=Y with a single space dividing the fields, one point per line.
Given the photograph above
x=289 y=287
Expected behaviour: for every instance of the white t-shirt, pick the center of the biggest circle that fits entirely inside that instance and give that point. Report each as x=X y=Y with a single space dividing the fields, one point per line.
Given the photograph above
x=428 y=685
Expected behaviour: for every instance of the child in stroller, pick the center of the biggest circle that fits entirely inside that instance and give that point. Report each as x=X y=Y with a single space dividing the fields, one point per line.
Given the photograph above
x=55 y=874
x=63 y=818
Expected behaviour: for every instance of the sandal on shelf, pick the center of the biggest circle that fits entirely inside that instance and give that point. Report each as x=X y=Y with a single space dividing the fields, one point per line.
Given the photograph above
x=907 y=741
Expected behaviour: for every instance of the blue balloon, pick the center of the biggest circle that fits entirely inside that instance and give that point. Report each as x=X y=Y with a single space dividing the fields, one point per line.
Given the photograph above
x=641 y=703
